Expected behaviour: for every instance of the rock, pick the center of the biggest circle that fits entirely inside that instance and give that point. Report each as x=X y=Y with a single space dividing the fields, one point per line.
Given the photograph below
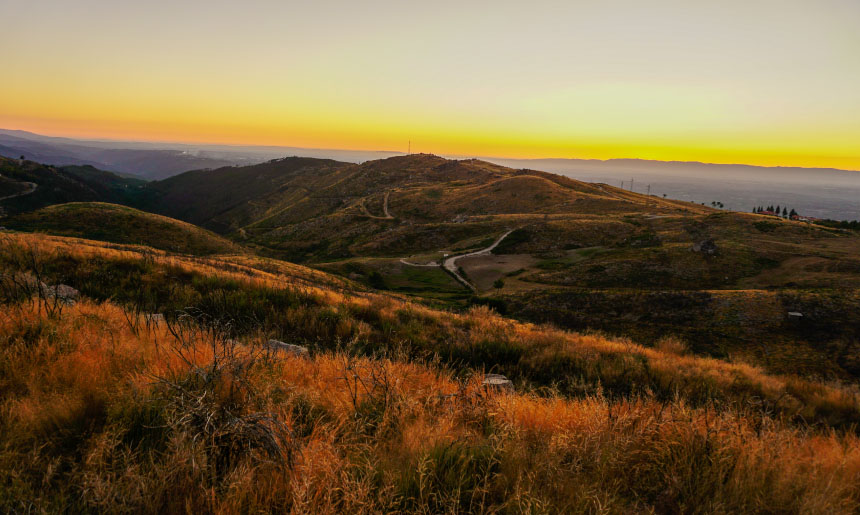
x=796 y=315
x=497 y=382
x=707 y=247
x=153 y=318
x=64 y=292
x=296 y=350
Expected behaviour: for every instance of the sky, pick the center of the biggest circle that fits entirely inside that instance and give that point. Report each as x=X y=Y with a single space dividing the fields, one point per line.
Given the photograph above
x=755 y=81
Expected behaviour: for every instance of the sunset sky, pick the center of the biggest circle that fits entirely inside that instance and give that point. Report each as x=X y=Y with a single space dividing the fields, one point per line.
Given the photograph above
x=753 y=81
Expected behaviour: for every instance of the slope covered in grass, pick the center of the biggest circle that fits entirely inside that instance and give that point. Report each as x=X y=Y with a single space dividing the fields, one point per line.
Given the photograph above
x=314 y=209
x=105 y=411
x=312 y=308
x=120 y=224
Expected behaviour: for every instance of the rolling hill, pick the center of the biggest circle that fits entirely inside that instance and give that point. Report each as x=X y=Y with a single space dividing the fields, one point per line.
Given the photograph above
x=583 y=256
x=580 y=255
x=119 y=224
x=314 y=210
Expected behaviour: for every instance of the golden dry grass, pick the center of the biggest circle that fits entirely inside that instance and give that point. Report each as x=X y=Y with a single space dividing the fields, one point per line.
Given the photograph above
x=370 y=435
x=99 y=413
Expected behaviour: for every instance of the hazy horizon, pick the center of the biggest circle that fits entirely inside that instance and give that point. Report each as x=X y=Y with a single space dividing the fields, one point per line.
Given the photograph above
x=766 y=84
x=192 y=143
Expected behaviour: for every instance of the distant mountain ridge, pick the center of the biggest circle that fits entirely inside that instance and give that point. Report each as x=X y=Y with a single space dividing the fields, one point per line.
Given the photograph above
x=159 y=160
x=154 y=161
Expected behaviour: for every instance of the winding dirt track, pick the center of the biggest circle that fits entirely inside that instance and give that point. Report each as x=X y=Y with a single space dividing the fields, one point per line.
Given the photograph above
x=385 y=206
x=384 y=209
x=32 y=186
x=450 y=263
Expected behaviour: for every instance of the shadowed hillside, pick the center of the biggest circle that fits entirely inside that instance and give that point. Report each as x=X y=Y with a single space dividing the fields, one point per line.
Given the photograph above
x=47 y=185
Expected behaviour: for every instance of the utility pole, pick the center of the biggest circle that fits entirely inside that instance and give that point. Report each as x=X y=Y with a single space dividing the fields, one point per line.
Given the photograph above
x=631 y=184
x=648 y=197
x=409 y=151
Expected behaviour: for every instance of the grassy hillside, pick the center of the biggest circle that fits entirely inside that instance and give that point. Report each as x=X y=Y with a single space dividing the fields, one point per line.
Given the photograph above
x=316 y=210
x=108 y=412
x=120 y=224
x=580 y=255
x=61 y=184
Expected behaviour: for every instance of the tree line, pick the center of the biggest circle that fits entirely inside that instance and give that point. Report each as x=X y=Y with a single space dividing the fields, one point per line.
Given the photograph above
x=778 y=211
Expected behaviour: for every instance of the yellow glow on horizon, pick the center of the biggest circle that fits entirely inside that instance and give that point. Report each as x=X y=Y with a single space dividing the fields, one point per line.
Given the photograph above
x=693 y=84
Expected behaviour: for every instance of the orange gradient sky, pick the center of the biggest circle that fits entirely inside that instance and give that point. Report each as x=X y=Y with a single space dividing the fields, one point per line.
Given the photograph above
x=758 y=82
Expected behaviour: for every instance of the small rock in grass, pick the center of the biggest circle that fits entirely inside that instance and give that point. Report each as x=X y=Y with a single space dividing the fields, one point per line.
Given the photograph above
x=497 y=382
x=153 y=318
x=297 y=350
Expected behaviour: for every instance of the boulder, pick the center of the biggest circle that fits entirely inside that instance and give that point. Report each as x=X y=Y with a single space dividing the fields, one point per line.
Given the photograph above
x=297 y=350
x=707 y=247
x=497 y=382
x=63 y=292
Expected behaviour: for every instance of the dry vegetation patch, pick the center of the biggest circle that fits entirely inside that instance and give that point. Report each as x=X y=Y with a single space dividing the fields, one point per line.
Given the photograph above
x=101 y=416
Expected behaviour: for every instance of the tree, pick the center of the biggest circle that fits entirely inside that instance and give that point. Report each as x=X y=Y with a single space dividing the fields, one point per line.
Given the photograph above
x=498 y=284
x=376 y=280
x=784 y=212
